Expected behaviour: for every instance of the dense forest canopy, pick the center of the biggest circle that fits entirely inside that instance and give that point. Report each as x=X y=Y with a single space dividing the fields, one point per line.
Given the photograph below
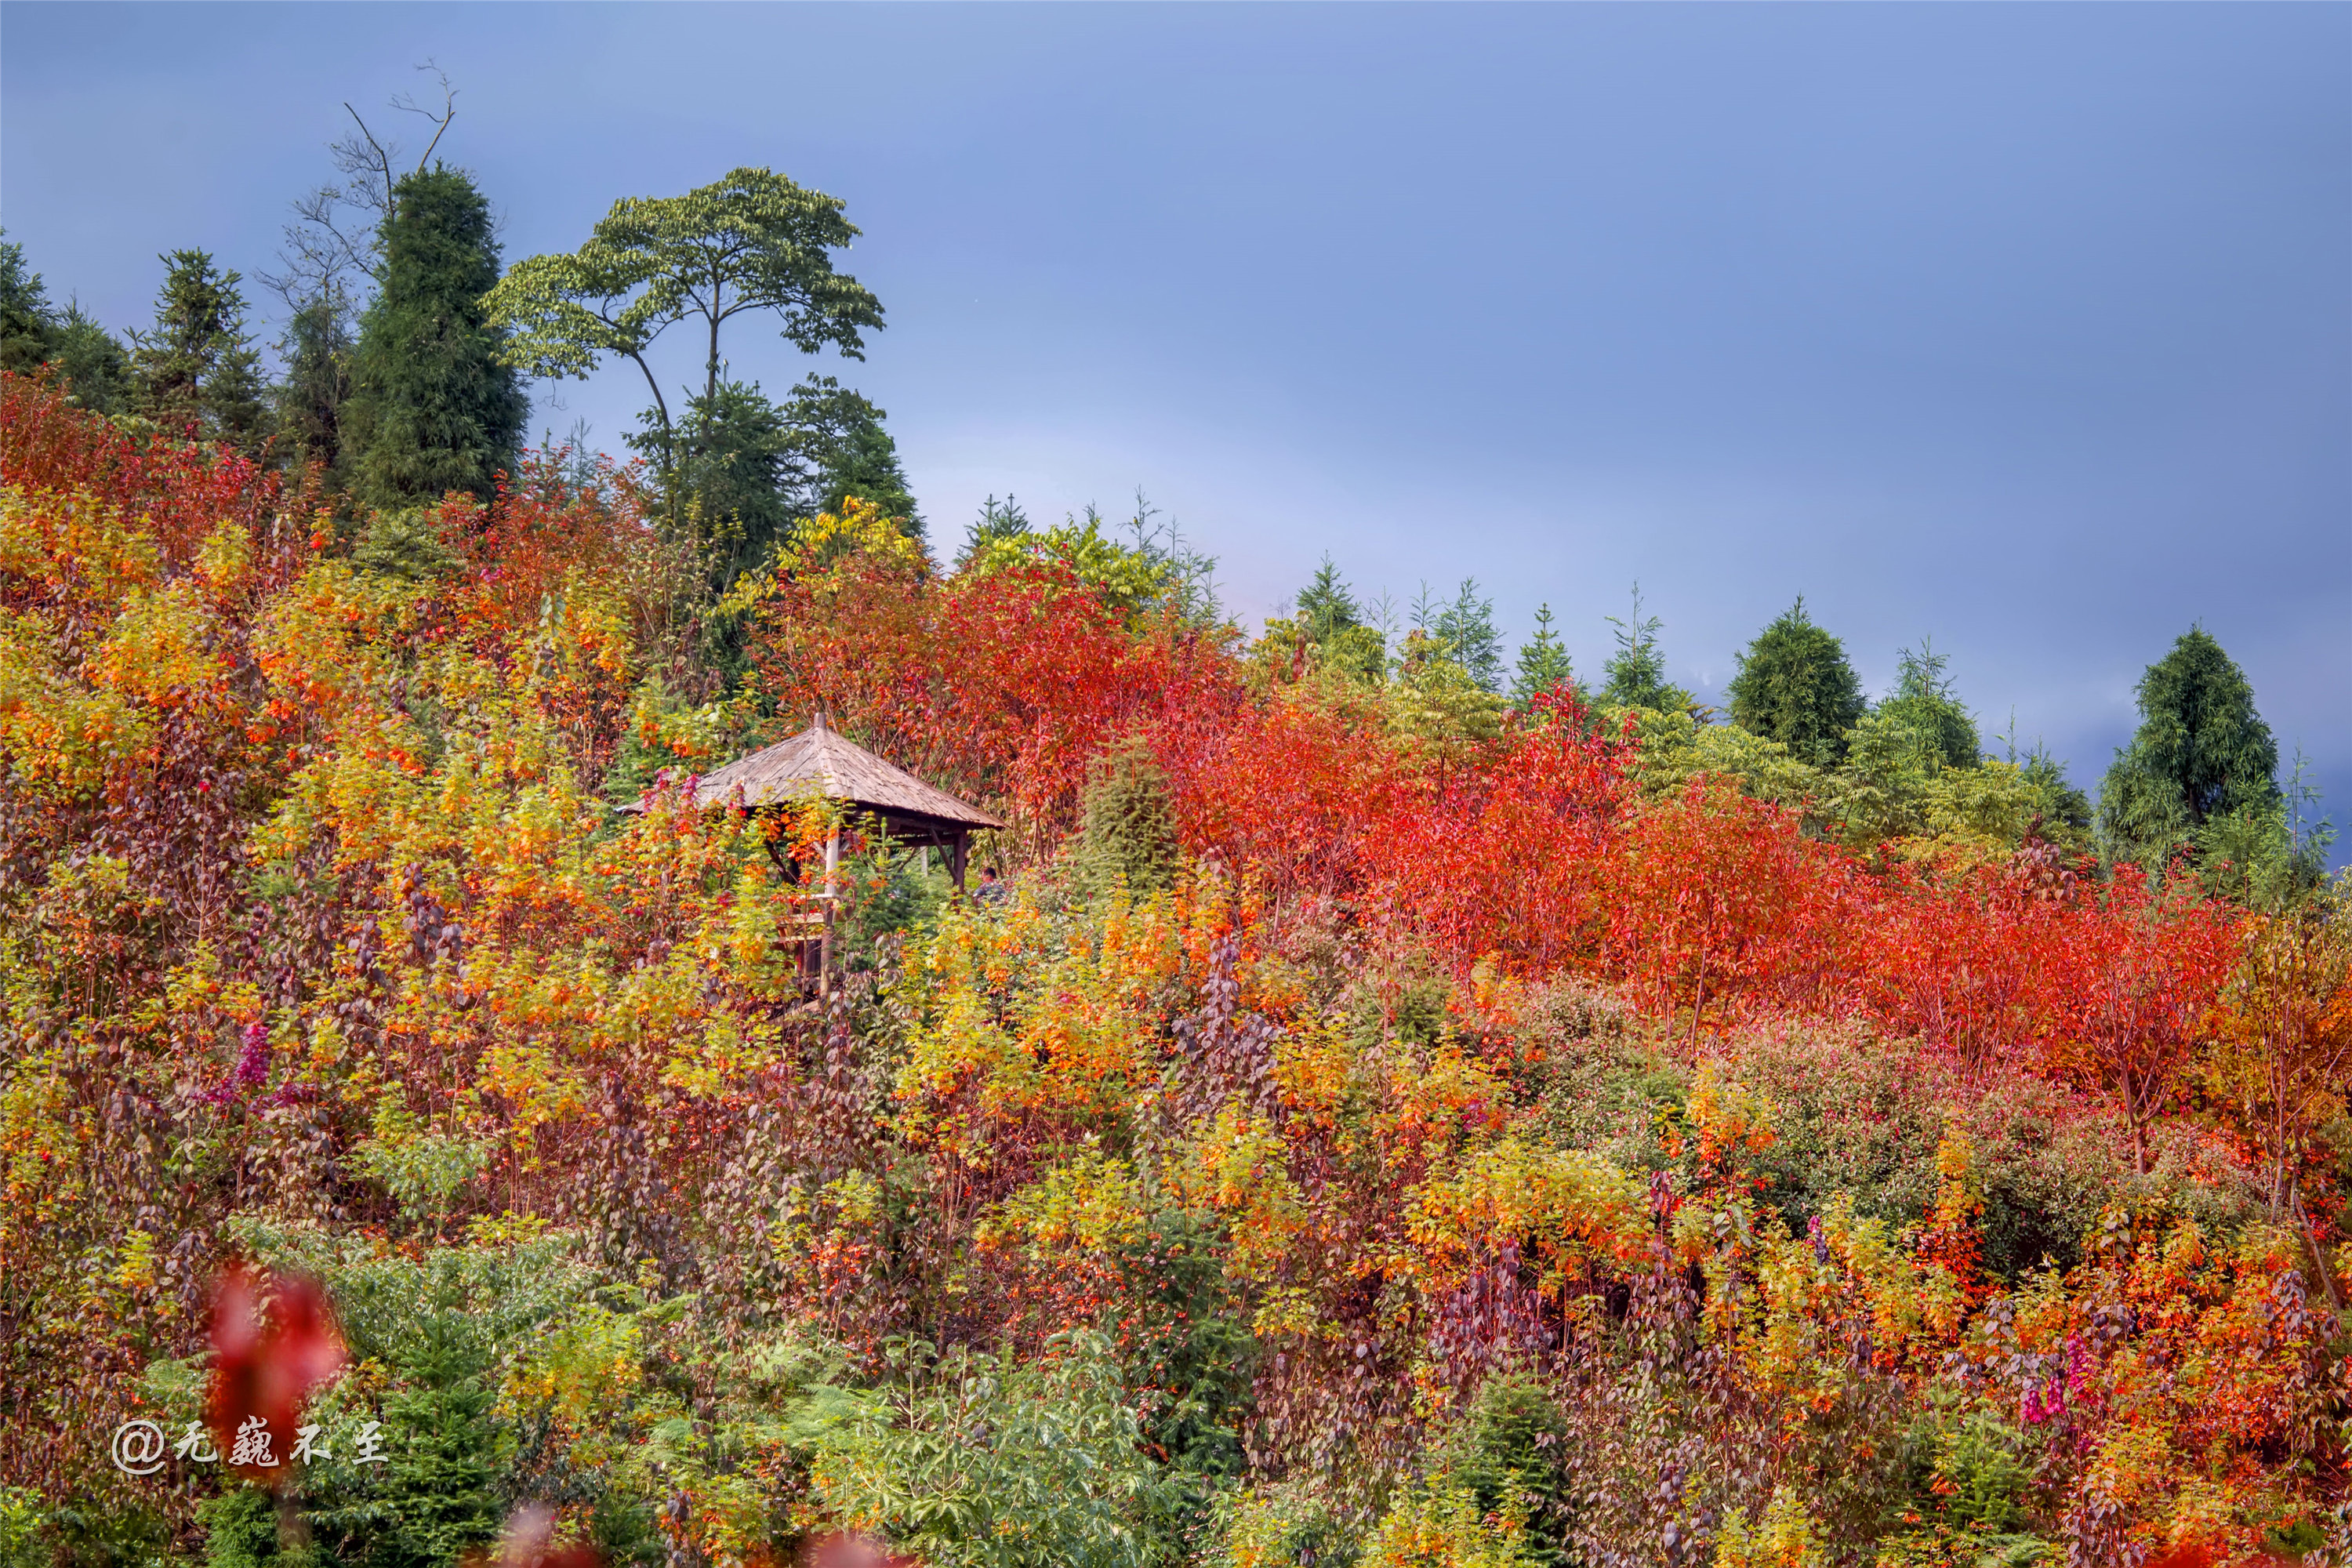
x=1399 y=1104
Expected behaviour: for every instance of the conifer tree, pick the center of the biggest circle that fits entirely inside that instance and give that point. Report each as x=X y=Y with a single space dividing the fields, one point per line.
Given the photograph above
x=746 y=469
x=997 y=519
x=36 y=334
x=1129 y=836
x=90 y=361
x=434 y=408
x=1924 y=704
x=194 y=372
x=1794 y=685
x=1330 y=621
x=1543 y=662
x=1637 y=671
x=1326 y=606
x=732 y=469
x=1464 y=630
x=2201 y=752
x=26 y=319
x=318 y=347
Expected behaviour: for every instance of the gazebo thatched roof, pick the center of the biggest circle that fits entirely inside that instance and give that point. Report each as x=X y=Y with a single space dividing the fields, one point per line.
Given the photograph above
x=818 y=760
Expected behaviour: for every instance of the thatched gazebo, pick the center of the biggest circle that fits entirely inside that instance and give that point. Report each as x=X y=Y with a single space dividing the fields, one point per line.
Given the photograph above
x=820 y=762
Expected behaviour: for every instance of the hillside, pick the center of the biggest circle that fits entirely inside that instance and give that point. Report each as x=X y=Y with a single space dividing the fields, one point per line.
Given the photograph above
x=1380 y=1123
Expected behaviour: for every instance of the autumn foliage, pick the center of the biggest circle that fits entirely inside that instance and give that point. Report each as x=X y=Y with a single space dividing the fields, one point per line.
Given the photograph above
x=1450 y=1088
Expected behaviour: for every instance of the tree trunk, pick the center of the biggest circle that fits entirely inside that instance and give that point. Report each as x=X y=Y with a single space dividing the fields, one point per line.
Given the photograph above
x=668 y=439
x=1698 y=1006
x=710 y=369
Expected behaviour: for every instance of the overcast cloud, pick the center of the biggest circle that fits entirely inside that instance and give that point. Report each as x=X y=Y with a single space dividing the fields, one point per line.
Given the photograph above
x=2026 y=327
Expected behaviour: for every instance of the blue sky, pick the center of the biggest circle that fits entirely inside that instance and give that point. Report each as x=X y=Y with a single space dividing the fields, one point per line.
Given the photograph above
x=2026 y=327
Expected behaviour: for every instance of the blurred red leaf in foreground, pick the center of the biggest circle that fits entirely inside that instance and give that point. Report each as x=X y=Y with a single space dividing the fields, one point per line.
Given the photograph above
x=273 y=1342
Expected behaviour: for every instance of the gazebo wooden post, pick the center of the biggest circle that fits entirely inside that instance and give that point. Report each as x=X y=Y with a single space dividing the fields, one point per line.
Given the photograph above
x=957 y=854
x=832 y=892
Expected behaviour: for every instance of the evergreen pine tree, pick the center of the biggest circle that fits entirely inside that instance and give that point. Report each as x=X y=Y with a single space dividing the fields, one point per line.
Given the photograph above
x=1327 y=607
x=318 y=348
x=2201 y=752
x=1543 y=662
x=26 y=319
x=2064 y=811
x=1131 y=829
x=90 y=361
x=435 y=1500
x=1333 y=625
x=194 y=372
x=1637 y=671
x=1924 y=704
x=997 y=519
x=733 y=460
x=746 y=468
x=1465 y=628
x=434 y=408
x=1795 y=686
x=34 y=333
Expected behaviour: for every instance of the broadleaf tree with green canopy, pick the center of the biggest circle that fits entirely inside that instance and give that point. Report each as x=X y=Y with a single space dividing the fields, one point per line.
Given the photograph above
x=752 y=241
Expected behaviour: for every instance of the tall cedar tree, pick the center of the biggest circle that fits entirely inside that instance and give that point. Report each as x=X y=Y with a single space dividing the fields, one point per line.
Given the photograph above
x=1543 y=663
x=2201 y=752
x=434 y=406
x=1794 y=685
x=196 y=373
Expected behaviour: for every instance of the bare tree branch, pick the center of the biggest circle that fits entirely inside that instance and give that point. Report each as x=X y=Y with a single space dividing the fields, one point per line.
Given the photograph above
x=321 y=248
x=377 y=159
x=408 y=104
